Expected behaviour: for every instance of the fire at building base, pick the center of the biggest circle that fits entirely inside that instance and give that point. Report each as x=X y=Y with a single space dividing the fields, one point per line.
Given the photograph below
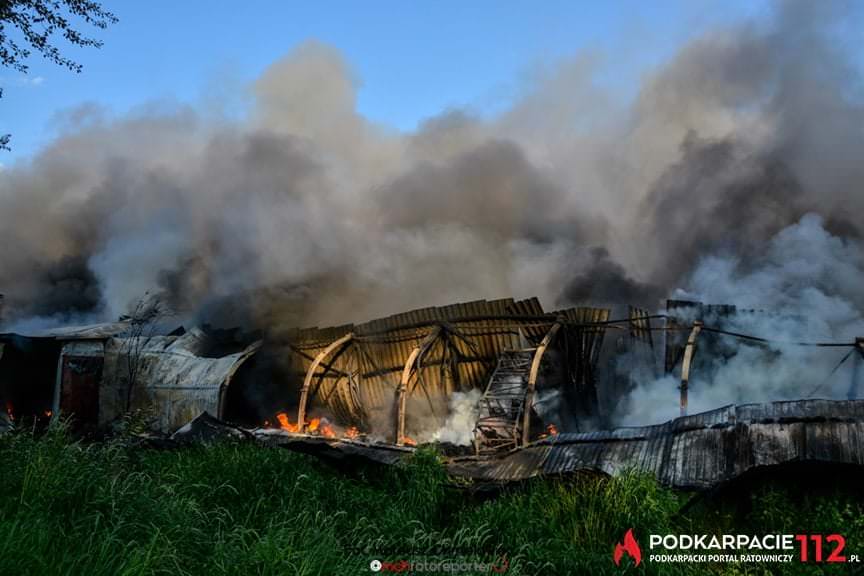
x=506 y=390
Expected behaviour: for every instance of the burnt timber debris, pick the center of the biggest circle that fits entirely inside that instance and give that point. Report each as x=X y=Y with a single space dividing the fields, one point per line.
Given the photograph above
x=695 y=452
x=368 y=390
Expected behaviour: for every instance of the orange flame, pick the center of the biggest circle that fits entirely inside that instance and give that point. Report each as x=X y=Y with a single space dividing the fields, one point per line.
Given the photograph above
x=48 y=413
x=408 y=441
x=285 y=423
x=352 y=432
x=551 y=430
x=315 y=426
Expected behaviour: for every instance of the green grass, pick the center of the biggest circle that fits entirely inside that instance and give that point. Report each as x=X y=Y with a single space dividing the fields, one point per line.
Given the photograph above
x=91 y=509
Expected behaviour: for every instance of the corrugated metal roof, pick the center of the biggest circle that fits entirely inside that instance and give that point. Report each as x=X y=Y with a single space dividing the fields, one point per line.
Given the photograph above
x=171 y=378
x=698 y=451
x=362 y=378
x=87 y=332
x=328 y=447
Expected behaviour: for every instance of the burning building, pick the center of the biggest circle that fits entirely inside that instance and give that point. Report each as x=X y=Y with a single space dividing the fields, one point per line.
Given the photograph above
x=524 y=391
x=304 y=212
x=401 y=379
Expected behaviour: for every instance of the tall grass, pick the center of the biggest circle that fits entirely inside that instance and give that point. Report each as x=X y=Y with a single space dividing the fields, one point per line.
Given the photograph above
x=238 y=508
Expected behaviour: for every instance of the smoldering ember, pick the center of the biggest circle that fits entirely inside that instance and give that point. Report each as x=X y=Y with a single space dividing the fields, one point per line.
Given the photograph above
x=505 y=389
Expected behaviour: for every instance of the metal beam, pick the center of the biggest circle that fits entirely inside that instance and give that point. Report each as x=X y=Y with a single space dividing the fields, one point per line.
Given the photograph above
x=310 y=374
x=532 y=380
x=689 y=350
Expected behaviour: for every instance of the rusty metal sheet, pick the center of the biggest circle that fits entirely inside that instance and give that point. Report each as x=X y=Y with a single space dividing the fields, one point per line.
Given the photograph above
x=518 y=465
x=698 y=451
x=80 y=378
x=331 y=448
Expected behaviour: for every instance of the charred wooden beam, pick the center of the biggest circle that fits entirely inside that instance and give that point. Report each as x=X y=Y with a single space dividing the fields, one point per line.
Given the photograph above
x=310 y=374
x=689 y=350
x=532 y=380
x=402 y=392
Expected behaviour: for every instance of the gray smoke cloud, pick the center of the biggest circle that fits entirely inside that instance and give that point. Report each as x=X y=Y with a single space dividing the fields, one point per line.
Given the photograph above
x=809 y=281
x=306 y=212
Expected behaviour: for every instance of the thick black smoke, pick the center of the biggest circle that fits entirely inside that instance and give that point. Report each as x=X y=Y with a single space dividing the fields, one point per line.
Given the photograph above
x=604 y=281
x=719 y=198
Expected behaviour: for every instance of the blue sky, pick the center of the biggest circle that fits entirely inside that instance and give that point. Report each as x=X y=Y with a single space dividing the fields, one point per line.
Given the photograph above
x=414 y=59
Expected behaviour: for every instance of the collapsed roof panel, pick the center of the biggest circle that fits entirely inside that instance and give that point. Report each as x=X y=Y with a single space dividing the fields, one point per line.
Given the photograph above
x=697 y=451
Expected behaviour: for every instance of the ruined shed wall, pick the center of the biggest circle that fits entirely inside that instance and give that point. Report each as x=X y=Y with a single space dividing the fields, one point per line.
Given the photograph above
x=171 y=379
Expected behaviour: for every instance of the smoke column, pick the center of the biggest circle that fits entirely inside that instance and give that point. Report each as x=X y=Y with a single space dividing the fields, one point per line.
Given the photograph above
x=732 y=175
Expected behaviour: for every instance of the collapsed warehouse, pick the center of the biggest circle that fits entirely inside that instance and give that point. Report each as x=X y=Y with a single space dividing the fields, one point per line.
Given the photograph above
x=506 y=389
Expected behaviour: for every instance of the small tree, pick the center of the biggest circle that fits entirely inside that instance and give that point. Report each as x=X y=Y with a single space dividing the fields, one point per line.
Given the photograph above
x=37 y=22
x=144 y=323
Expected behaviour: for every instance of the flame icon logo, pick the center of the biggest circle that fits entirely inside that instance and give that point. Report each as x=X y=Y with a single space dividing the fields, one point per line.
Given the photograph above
x=630 y=546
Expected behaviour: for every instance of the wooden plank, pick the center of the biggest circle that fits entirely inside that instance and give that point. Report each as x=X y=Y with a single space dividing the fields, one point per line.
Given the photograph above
x=532 y=380
x=689 y=350
x=310 y=373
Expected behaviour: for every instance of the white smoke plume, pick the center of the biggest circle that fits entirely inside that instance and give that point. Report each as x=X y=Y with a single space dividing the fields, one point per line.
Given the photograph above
x=458 y=429
x=808 y=283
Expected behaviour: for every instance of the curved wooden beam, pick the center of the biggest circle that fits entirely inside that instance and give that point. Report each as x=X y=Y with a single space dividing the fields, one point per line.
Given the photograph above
x=689 y=350
x=401 y=396
x=310 y=374
x=532 y=380
x=402 y=391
